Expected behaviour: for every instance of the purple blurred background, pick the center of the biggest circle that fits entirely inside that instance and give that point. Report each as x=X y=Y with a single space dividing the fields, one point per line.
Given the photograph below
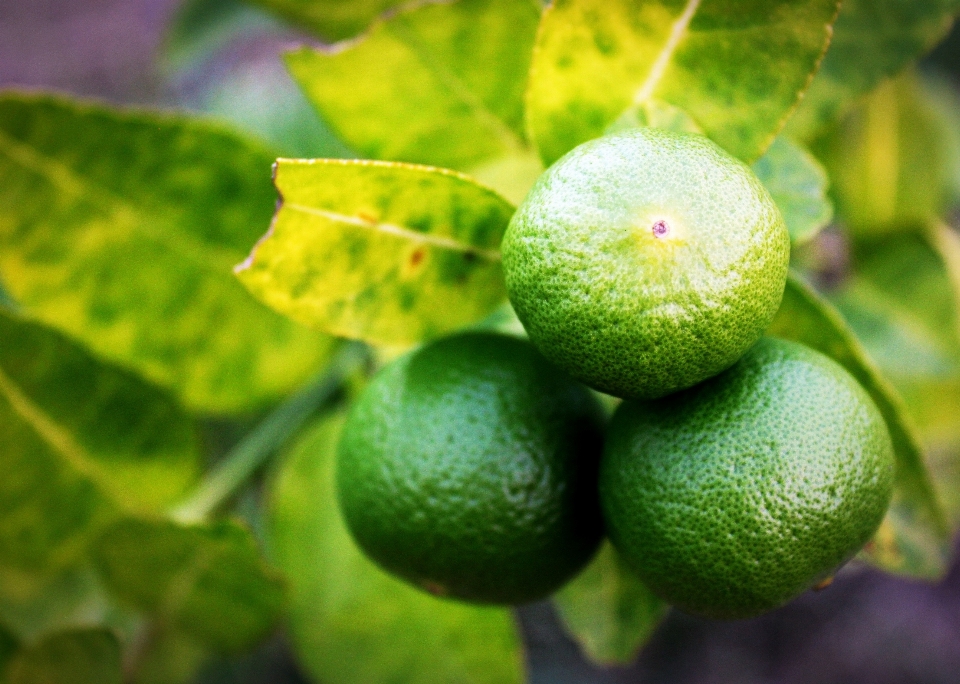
x=866 y=628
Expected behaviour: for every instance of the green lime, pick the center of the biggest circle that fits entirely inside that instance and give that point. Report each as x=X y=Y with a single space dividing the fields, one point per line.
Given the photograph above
x=646 y=261
x=469 y=468
x=732 y=497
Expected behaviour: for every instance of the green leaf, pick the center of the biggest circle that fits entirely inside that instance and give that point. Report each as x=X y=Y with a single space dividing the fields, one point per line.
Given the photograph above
x=798 y=184
x=891 y=160
x=385 y=253
x=914 y=538
x=609 y=610
x=80 y=656
x=333 y=20
x=207 y=580
x=441 y=85
x=351 y=622
x=872 y=40
x=121 y=228
x=737 y=68
x=82 y=440
x=8 y=647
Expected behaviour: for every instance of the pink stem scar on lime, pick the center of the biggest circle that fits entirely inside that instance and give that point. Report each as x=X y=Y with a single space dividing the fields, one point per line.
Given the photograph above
x=660 y=228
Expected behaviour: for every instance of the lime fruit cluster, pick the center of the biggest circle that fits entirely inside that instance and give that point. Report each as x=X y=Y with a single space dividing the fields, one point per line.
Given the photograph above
x=646 y=261
x=469 y=468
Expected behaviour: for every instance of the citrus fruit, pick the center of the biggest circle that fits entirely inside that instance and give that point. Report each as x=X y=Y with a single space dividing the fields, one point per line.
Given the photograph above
x=469 y=468
x=646 y=261
x=734 y=496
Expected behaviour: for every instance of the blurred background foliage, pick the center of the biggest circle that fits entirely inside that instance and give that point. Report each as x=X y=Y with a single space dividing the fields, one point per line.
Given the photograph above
x=119 y=587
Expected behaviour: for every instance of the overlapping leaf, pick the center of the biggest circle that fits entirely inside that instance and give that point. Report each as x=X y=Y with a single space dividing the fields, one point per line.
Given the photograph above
x=349 y=621
x=208 y=581
x=79 y=656
x=798 y=184
x=872 y=39
x=914 y=538
x=442 y=84
x=386 y=253
x=333 y=19
x=737 y=68
x=82 y=440
x=609 y=610
x=122 y=229
x=891 y=160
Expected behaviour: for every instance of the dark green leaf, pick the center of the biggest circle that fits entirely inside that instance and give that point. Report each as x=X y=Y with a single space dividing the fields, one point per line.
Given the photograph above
x=385 y=253
x=440 y=85
x=609 y=610
x=737 y=68
x=872 y=39
x=80 y=656
x=121 y=228
x=82 y=440
x=207 y=580
x=333 y=20
x=349 y=621
x=798 y=184
x=914 y=538
x=8 y=646
x=891 y=160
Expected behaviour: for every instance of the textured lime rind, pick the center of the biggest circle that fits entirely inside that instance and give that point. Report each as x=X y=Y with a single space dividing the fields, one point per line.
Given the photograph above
x=623 y=309
x=469 y=468
x=733 y=497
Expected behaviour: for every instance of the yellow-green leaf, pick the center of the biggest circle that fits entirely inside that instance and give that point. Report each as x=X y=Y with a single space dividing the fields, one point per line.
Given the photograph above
x=609 y=610
x=385 y=253
x=872 y=39
x=914 y=538
x=82 y=440
x=351 y=622
x=121 y=228
x=441 y=84
x=891 y=160
x=738 y=69
x=333 y=20
x=208 y=581
x=79 y=656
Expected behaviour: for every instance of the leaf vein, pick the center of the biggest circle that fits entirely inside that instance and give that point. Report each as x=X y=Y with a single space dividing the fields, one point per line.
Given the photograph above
x=677 y=33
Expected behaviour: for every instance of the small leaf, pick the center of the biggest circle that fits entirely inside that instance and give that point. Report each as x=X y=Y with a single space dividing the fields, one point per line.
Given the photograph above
x=80 y=656
x=609 y=610
x=914 y=538
x=351 y=622
x=81 y=440
x=737 y=68
x=442 y=84
x=333 y=20
x=872 y=40
x=385 y=253
x=798 y=184
x=207 y=580
x=890 y=160
x=121 y=229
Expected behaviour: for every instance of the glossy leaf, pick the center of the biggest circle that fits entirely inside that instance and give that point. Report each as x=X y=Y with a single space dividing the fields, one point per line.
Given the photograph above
x=81 y=440
x=442 y=84
x=121 y=229
x=872 y=40
x=737 y=68
x=385 y=253
x=891 y=160
x=914 y=538
x=79 y=656
x=333 y=20
x=798 y=184
x=609 y=610
x=351 y=622
x=207 y=580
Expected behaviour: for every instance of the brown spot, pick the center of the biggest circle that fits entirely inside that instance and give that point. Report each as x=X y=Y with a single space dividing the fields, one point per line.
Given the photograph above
x=824 y=584
x=434 y=588
x=366 y=216
x=416 y=258
x=469 y=257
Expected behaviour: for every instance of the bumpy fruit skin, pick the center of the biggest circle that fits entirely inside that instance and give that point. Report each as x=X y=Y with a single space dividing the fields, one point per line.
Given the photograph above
x=732 y=497
x=469 y=468
x=646 y=261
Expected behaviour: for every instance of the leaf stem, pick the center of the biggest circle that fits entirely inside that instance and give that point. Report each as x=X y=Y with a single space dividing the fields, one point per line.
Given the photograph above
x=250 y=454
